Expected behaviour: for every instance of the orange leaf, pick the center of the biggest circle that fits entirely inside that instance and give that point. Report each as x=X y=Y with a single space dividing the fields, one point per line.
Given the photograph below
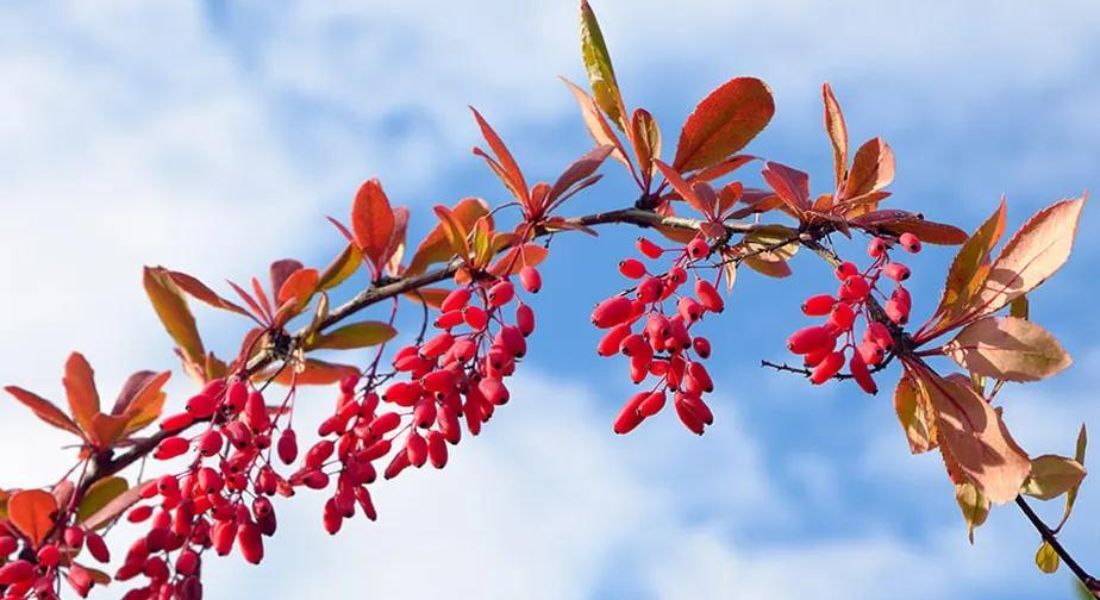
x=372 y=222
x=597 y=125
x=915 y=414
x=506 y=169
x=32 y=513
x=682 y=187
x=723 y=123
x=107 y=429
x=147 y=403
x=969 y=268
x=80 y=390
x=341 y=267
x=646 y=136
x=396 y=250
x=975 y=436
x=575 y=173
x=433 y=297
x=436 y=247
x=174 y=314
x=44 y=409
x=872 y=169
x=792 y=186
x=454 y=230
x=1035 y=253
x=201 y=292
x=299 y=286
x=838 y=134
x=511 y=262
x=313 y=372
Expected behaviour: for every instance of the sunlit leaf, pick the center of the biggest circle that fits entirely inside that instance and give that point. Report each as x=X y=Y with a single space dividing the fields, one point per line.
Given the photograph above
x=915 y=414
x=647 y=139
x=838 y=134
x=1052 y=476
x=311 y=372
x=872 y=169
x=597 y=62
x=1009 y=349
x=1047 y=559
x=723 y=123
x=80 y=390
x=174 y=313
x=974 y=506
x=201 y=292
x=372 y=223
x=114 y=507
x=597 y=125
x=341 y=268
x=437 y=247
x=44 y=409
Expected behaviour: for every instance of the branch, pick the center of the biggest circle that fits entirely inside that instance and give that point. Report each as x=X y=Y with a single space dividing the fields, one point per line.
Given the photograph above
x=1091 y=583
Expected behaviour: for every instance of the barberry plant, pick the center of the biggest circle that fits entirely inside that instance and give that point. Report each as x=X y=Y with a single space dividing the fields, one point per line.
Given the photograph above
x=229 y=455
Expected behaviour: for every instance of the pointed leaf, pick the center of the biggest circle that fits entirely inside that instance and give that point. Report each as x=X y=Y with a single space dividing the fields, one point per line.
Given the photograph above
x=80 y=390
x=513 y=261
x=647 y=140
x=201 y=292
x=838 y=134
x=977 y=439
x=1052 y=476
x=174 y=313
x=280 y=270
x=974 y=506
x=597 y=125
x=597 y=62
x=579 y=170
x=372 y=222
x=114 y=507
x=1009 y=349
x=44 y=409
x=299 y=287
x=1033 y=254
x=872 y=169
x=723 y=123
x=99 y=495
x=356 y=335
x=792 y=185
x=341 y=268
x=436 y=247
x=312 y=372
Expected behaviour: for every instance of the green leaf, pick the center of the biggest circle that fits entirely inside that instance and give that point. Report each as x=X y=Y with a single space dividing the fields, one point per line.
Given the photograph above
x=974 y=506
x=601 y=75
x=1052 y=476
x=172 y=309
x=99 y=495
x=356 y=335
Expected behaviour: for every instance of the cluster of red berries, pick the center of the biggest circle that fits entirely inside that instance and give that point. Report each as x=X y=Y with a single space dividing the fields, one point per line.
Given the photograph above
x=458 y=374
x=825 y=347
x=35 y=572
x=663 y=347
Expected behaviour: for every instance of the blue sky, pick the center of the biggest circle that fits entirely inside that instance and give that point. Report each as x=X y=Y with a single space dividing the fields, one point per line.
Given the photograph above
x=214 y=138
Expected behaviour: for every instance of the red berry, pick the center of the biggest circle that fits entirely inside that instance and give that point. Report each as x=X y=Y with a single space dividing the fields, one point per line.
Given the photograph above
x=201 y=406
x=842 y=317
x=652 y=404
x=828 y=367
x=698 y=248
x=701 y=345
x=502 y=293
x=846 y=270
x=650 y=289
x=809 y=339
x=854 y=289
x=176 y=422
x=417 y=449
x=862 y=375
x=612 y=312
x=456 y=299
x=287 y=446
x=708 y=296
x=97 y=548
x=611 y=341
x=910 y=242
x=170 y=448
x=530 y=279
x=632 y=268
x=688 y=415
x=629 y=417
x=525 y=319
x=896 y=271
x=818 y=306
x=876 y=248
x=210 y=443
x=896 y=311
x=49 y=556
x=437 y=449
x=475 y=317
x=16 y=572
x=649 y=249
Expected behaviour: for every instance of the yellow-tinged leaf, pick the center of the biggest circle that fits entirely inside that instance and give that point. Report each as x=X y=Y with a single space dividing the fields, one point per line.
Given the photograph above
x=772 y=243
x=915 y=414
x=1079 y=456
x=647 y=139
x=355 y=335
x=976 y=437
x=114 y=507
x=1009 y=349
x=723 y=123
x=1047 y=559
x=44 y=409
x=147 y=403
x=174 y=314
x=32 y=512
x=1033 y=254
x=437 y=247
x=974 y=506
x=343 y=266
x=767 y=267
x=80 y=390
x=597 y=62
x=99 y=495
x=597 y=125
x=1052 y=476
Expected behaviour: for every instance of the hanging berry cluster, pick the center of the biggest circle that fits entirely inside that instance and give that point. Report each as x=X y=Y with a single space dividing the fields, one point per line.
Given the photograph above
x=826 y=347
x=662 y=350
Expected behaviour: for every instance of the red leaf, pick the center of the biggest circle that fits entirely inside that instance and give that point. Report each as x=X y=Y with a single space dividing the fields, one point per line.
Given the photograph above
x=597 y=125
x=32 y=513
x=280 y=270
x=872 y=169
x=512 y=262
x=436 y=247
x=201 y=292
x=792 y=185
x=579 y=170
x=838 y=134
x=44 y=409
x=299 y=287
x=510 y=173
x=372 y=221
x=80 y=390
x=723 y=123
x=314 y=372
x=682 y=187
